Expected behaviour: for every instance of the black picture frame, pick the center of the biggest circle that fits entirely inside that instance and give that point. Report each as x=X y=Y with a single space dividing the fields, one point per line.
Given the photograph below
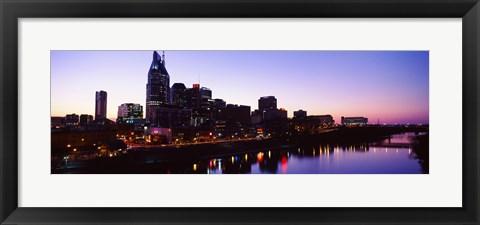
x=12 y=10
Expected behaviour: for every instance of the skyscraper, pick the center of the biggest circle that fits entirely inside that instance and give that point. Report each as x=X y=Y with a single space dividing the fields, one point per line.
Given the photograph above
x=217 y=106
x=194 y=97
x=237 y=113
x=300 y=114
x=267 y=103
x=100 y=105
x=206 y=101
x=71 y=119
x=130 y=111
x=201 y=102
x=219 y=103
x=179 y=95
x=158 y=88
x=85 y=119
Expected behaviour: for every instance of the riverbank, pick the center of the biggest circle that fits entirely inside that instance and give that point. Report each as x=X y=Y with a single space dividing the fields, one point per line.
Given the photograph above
x=145 y=160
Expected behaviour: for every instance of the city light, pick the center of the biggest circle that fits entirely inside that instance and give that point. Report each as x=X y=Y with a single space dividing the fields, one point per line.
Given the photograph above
x=180 y=123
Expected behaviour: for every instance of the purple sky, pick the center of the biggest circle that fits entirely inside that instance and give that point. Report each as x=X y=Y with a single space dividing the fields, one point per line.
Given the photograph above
x=391 y=86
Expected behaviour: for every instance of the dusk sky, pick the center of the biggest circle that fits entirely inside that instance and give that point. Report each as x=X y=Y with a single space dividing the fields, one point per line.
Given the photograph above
x=391 y=86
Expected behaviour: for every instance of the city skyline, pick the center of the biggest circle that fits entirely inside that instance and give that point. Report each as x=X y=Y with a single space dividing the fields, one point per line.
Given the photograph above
x=390 y=86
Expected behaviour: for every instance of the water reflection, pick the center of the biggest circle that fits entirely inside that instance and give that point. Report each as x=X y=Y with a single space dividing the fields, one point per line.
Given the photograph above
x=398 y=154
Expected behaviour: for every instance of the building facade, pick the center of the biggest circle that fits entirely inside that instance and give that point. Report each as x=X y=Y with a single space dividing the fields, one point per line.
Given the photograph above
x=313 y=123
x=57 y=121
x=158 y=88
x=85 y=119
x=130 y=110
x=179 y=95
x=275 y=114
x=100 y=105
x=354 y=121
x=322 y=120
x=300 y=114
x=218 y=105
x=200 y=101
x=267 y=103
x=130 y=113
x=71 y=119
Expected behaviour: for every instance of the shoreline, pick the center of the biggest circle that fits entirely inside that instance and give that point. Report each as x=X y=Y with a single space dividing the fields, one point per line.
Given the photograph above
x=142 y=160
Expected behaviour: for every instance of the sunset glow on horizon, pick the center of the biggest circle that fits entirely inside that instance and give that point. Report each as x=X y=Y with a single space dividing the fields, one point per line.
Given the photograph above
x=386 y=86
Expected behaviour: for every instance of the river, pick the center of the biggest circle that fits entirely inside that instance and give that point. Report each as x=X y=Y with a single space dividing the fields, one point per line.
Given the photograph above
x=394 y=155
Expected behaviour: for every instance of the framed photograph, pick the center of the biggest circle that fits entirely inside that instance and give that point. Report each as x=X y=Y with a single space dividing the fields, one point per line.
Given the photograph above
x=317 y=112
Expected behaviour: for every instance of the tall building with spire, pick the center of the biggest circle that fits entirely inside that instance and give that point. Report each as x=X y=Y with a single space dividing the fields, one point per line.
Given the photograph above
x=158 y=88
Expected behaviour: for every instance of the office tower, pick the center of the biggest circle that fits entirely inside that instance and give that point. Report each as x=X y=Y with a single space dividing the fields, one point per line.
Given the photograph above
x=100 y=105
x=71 y=119
x=85 y=119
x=256 y=117
x=201 y=102
x=237 y=113
x=158 y=88
x=300 y=114
x=274 y=114
x=324 y=120
x=217 y=106
x=171 y=116
x=282 y=113
x=179 y=95
x=129 y=111
x=206 y=93
x=267 y=103
x=194 y=97
x=219 y=103
x=206 y=102
x=57 y=121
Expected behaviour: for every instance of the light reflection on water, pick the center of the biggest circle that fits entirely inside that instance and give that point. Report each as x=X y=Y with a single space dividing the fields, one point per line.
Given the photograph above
x=363 y=158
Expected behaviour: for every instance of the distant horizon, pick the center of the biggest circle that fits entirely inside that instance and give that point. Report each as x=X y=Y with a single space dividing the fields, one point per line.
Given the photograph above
x=387 y=86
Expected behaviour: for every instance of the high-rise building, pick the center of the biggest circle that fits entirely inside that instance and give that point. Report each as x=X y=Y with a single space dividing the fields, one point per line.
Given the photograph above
x=194 y=97
x=325 y=120
x=170 y=116
x=233 y=120
x=256 y=117
x=217 y=106
x=300 y=114
x=201 y=102
x=179 y=95
x=206 y=103
x=128 y=112
x=206 y=92
x=71 y=119
x=312 y=123
x=237 y=113
x=282 y=113
x=275 y=114
x=267 y=103
x=100 y=105
x=219 y=103
x=85 y=119
x=158 y=88
x=57 y=121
